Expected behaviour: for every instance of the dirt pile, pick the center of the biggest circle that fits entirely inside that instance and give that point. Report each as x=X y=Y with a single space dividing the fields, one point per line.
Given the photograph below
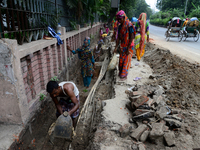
x=156 y=124
x=164 y=110
x=179 y=78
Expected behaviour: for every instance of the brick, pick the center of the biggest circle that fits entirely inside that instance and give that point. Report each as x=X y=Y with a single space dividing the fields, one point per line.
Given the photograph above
x=169 y=138
x=150 y=102
x=24 y=74
x=25 y=69
x=138 y=131
x=135 y=93
x=140 y=101
x=23 y=63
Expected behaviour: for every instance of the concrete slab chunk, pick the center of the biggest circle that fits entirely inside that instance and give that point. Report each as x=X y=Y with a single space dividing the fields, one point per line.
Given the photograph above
x=138 y=131
x=157 y=131
x=169 y=138
x=173 y=123
x=141 y=147
x=144 y=136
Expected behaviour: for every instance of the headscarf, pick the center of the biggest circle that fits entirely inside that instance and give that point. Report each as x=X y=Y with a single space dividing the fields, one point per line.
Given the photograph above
x=142 y=20
x=86 y=42
x=124 y=28
x=121 y=14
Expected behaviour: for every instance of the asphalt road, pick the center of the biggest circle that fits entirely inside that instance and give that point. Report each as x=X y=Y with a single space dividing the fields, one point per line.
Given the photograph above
x=187 y=49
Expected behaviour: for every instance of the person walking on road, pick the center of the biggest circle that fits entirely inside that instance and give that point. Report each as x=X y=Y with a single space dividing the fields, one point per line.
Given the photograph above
x=142 y=35
x=126 y=40
x=85 y=54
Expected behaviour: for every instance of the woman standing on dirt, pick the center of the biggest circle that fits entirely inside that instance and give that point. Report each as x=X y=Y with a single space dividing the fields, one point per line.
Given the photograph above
x=87 y=61
x=142 y=35
x=125 y=38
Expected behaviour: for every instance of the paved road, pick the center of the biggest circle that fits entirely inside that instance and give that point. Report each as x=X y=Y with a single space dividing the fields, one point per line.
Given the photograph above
x=187 y=49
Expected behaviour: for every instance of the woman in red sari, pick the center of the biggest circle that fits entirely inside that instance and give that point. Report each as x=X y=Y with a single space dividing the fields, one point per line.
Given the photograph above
x=125 y=38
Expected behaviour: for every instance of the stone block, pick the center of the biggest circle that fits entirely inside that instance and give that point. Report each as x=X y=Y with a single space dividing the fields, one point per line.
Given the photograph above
x=144 y=136
x=169 y=138
x=157 y=131
x=136 y=133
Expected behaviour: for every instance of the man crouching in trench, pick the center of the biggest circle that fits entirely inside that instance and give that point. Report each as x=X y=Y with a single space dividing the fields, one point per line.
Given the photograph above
x=68 y=94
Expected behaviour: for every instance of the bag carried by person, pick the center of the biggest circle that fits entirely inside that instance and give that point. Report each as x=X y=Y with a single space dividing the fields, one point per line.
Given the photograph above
x=113 y=62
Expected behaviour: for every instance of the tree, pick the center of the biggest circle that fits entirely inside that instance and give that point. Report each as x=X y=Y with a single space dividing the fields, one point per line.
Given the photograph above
x=142 y=6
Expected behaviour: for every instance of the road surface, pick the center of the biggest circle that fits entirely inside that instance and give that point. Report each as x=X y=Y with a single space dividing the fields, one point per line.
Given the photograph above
x=188 y=49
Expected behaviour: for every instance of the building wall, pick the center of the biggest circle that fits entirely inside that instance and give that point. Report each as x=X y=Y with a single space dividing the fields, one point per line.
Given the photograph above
x=30 y=66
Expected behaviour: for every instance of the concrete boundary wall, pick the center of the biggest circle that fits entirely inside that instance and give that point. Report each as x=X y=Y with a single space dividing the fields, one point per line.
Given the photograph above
x=32 y=66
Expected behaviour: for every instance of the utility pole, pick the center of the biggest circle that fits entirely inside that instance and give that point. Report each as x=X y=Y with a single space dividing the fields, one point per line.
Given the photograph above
x=186 y=6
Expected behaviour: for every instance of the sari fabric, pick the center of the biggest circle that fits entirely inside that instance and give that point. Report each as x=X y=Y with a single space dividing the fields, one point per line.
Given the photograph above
x=85 y=54
x=125 y=60
x=142 y=21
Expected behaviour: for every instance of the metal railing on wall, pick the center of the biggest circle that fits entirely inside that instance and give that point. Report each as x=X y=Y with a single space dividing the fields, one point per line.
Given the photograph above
x=27 y=20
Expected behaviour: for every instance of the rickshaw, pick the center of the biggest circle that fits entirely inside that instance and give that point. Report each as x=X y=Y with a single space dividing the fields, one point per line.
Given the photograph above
x=174 y=29
x=191 y=29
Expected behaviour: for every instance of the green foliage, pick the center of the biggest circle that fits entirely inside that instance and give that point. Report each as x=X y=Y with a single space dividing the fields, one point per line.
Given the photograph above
x=73 y=24
x=165 y=5
x=91 y=36
x=55 y=78
x=42 y=97
x=195 y=12
x=85 y=90
x=6 y=35
x=163 y=17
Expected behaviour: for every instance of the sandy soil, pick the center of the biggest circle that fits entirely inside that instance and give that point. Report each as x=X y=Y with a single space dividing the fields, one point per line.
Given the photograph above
x=180 y=81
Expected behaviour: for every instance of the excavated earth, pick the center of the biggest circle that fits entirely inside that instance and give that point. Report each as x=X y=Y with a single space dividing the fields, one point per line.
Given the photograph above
x=180 y=84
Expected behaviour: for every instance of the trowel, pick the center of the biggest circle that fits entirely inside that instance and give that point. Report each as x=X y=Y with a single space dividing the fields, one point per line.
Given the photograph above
x=63 y=127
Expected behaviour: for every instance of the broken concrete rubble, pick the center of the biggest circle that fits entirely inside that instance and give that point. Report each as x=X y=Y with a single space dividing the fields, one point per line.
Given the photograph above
x=156 y=131
x=152 y=89
x=136 y=133
x=124 y=130
x=163 y=112
x=144 y=136
x=169 y=138
x=172 y=123
x=139 y=101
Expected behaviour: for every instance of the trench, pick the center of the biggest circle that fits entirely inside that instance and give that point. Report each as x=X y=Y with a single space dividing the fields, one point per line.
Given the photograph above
x=179 y=78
